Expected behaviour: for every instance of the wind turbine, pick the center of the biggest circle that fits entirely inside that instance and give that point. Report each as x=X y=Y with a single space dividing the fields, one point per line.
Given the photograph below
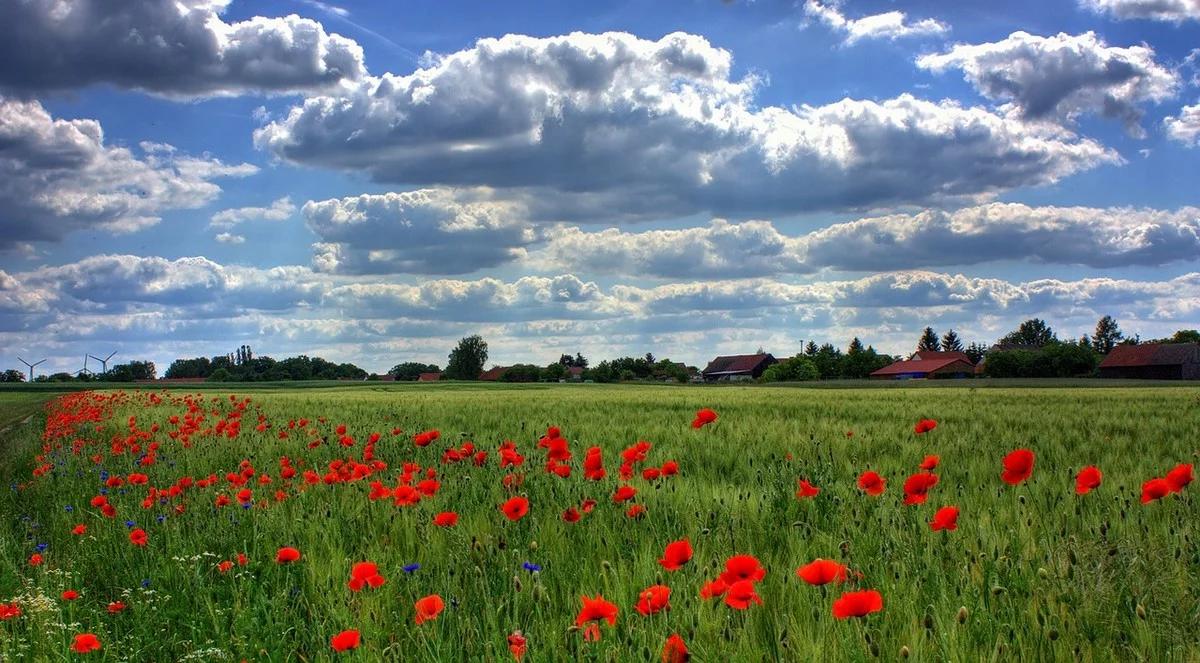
x=31 y=366
x=84 y=370
x=104 y=362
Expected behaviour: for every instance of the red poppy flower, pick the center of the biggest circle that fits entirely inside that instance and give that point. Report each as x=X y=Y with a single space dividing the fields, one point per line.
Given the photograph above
x=138 y=537
x=930 y=463
x=871 y=483
x=587 y=505
x=35 y=559
x=1088 y=479
x=676 y=554
x=517 y=645
x=742 y=567
x=924 y=426
x=345 y=640
x=429 y=608
x=287 y=555
x=9 y=611
x=741 y=594
x=224 y=566
x=675 y=651
x=1180 y=476
x=857 y=604
x=116 y=607
x=704 y=416
x=917 y=486
x=446 y=519
x=822 y=572
x=945 y=518
x=1018 y=466
x=806 y=490
x=713 y=589
x=1155 y=489
x=365 y=574
x=79 y=530
x=635 y=511
x=594 y=611
x=70 y=595
x=624 y=493
x=654 y=598
x=515 y=508
x=85 y=643
x=571 y=515
x=670 y=468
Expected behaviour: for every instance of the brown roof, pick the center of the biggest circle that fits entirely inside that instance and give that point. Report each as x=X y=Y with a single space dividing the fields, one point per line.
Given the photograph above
x=493 y=374
x=575 y=370
x=734 y=364
x=926 y=354
x=429 y=377
x=1152 y=354
x=923 y=366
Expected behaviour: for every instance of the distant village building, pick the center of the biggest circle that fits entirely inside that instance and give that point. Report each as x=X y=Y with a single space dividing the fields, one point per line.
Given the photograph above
x=575 y=373
x=735 y=368
x=926 y=365
x=493 y=374
x=429 y=377
x=1153 y=361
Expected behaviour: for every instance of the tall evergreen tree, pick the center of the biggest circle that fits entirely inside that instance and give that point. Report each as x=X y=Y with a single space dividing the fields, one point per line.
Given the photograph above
x=929 y=341
x=975 y=352
x=856 y=346
x=951 y=342
x=1107 y=335
x=810 y=348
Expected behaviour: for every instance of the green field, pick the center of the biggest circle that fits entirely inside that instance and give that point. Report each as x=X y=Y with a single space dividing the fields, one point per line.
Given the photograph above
x=1033 y=572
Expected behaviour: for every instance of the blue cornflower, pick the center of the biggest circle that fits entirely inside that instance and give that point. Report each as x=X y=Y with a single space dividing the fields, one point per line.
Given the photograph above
x=130 y=524
x=41 y=547
x=103 y=491
x=161 y=519
x=104 y=475
x=409 y=568
x=69 y=508
x=145 y=582
x=531 y=567
x=247 y=505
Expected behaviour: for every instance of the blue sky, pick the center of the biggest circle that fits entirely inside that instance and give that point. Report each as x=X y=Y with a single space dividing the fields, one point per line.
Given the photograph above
x=370 y=181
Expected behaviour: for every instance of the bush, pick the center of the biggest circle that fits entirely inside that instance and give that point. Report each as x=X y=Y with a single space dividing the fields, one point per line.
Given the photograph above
x=795 y=369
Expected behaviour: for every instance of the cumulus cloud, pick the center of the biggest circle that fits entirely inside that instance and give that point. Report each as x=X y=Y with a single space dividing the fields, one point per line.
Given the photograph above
x=891 y=25
x=1096 y=237
x=1185 y=127
x=57 y=176
x=1175 y=11
x=280 y=210
x=175 y=48
x=170 y=308
x=428 y=231
x=1063 y=76
x=229 y=238
x=611 y=121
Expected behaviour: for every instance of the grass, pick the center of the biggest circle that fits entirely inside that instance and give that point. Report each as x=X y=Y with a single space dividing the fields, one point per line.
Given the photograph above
x=1033 y=572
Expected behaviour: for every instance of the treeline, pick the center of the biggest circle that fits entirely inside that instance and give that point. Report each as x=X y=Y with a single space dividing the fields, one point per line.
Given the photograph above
x=129 y=372
x=244 y=366
x=826 y=362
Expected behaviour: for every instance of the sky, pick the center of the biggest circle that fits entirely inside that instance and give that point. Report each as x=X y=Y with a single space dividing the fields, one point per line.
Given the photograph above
x=369 y=182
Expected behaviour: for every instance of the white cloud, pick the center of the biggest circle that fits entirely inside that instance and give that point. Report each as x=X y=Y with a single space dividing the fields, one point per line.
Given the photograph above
x=58 y=176
x=428 y=231
x=1175 y=11
x=888 y=25
x=1063 y=76
x=229 y=238
x=1185 y=127
x=610 y=126
x=175 y=48
x=1097 y=237
x=280 y=210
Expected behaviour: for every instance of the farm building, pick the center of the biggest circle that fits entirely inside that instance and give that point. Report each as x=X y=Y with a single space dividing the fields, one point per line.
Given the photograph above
x=493 y=374
x=927 y=365
x=429 y=377
x=1153 y=361
x=737 y=367
x=575 y=373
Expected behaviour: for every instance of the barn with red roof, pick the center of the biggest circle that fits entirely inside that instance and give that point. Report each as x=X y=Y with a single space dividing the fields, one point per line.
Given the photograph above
x=927 y=365
x=1153 y=361
x=732 y=368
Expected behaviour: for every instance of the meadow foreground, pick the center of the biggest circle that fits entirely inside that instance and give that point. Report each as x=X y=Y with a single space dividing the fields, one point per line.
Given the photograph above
x=549 y=523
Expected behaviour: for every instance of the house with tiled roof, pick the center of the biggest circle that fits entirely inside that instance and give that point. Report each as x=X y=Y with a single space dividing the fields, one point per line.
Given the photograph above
x=924 y=365
x=1153 y=361
x=732 y=368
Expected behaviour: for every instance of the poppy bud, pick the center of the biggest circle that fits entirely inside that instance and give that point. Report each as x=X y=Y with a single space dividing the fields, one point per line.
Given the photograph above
x=997 y=590
x=874 y=650
x=533 y=545
x=1043 y=573
x=962 y=615
x=605 y=565
x=928 y=622
x=1141 y=611
x=1053 y=634
x=904 y=651
x=517 y=583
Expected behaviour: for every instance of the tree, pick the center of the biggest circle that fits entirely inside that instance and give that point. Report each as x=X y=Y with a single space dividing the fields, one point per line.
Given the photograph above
x=521 y=373
x=856 y=346
x=1186 y=336
x=409 y=371
x=951 y=342
x=1031 y=333
x=1107 y=335
x=795 y=369
x=975 y=352
x=554 y=372
x=12 y=375
x=810 y=348
x=467 y=359
x=929 y=341
x=580 y=360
